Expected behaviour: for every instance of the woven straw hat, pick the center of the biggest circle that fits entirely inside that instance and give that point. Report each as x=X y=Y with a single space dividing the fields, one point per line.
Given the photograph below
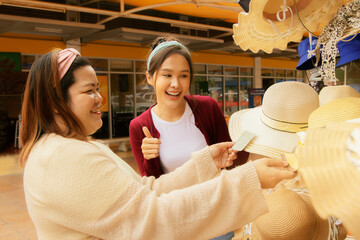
x=234 y=123
x=285 y=110
x=290 y=216
x=338 y=110
x=330 y=167
x=330 y=93
x=255 y=32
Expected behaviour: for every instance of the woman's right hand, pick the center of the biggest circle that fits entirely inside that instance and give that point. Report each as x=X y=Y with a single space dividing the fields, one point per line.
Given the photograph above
x=272 y=171
x=150 y=146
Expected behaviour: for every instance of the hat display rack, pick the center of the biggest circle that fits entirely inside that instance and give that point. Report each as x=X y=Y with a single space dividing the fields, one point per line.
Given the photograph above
x=344 y=24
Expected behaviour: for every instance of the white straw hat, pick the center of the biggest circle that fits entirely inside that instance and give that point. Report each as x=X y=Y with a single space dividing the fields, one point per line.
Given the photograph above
x=330 y=93
x=330 y=166
x=285 y=110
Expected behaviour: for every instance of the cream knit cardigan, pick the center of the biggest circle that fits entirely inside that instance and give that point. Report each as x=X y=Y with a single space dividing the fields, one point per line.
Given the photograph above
x=82 y=190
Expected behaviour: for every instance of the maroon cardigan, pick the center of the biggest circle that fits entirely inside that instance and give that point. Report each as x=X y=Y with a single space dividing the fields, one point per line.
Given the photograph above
x=208 y=118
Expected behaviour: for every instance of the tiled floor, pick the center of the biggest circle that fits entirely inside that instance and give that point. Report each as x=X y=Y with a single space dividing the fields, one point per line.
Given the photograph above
x=15 y=223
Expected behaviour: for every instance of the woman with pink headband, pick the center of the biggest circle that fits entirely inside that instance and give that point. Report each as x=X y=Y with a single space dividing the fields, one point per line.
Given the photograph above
x=79 y=189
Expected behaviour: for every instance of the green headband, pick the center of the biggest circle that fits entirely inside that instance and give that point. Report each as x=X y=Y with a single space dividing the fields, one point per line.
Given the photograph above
x=162 y=46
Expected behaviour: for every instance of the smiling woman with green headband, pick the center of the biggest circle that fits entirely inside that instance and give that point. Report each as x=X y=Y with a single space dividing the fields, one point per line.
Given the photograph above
x=164 y=136
x=79 y=189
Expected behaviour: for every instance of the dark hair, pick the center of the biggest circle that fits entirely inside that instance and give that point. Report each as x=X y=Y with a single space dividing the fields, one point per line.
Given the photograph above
x=45 y=95
x=161 y=56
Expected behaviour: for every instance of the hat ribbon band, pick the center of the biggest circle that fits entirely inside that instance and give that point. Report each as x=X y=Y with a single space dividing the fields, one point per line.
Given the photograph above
x=282 y=125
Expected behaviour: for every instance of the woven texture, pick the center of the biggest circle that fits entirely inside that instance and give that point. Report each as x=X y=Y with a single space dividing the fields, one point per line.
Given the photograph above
x=254 y=32
x=330 y=93
x=291 y=216
x=331 y=178
x=339 y=110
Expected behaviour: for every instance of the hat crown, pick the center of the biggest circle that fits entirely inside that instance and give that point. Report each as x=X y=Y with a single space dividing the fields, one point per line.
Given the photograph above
x=291 y=216
x=291 y=102
x=330 y=93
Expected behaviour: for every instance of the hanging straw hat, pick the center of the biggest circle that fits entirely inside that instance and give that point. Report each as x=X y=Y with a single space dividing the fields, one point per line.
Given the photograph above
x=290 y=216
x=330 y=166
x=330 y=93
x=254 y=31
x=285 y=110
x=338 y=110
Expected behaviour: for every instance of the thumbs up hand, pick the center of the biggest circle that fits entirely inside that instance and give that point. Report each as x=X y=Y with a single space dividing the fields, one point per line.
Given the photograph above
x=150 y=146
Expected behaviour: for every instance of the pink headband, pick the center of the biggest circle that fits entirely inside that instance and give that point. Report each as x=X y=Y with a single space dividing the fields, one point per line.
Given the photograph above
x=65 y=59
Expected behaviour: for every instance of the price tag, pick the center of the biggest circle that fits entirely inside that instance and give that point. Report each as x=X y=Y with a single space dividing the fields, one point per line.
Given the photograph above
x=243 y=140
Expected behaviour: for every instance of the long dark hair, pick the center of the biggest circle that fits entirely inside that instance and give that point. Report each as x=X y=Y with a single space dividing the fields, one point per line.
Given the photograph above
x=46 y=97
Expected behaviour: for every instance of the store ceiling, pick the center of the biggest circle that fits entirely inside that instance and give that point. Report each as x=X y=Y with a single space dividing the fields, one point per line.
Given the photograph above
x=200 y=24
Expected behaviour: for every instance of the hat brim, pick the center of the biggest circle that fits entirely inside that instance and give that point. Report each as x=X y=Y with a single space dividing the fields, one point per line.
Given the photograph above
x=349 y=50
x=346 y=58
x=307 y=63
x=267 y=142
x=254 y=32
x=333 y=181
x=234 y=124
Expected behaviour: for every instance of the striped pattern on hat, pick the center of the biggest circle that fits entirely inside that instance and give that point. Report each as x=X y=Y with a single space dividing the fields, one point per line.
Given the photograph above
x=339 y=110
x=332 y=179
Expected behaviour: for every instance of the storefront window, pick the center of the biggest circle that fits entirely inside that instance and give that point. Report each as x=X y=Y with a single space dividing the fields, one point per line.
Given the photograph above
x=291 y=75
x=245 y=84
x=200 y=86
x=122 y=102
x=117 y=65
x=245 y=71
x=100 y=65
x=231 y=70
x=215 y=89
x=199 y=69
x=214 y=69
x=27 y=61
x=145 y=96
x=267 y=72
x=140 y=66
x=280 y=73
x=231 y=95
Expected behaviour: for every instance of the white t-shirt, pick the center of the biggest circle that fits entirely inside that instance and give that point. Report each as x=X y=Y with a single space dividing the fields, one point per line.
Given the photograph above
x=178 y=139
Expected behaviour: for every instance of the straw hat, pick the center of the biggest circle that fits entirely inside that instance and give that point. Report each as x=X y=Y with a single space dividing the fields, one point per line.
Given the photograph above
x=330 y=93
x=285 y=110
x=330 y=167
x=234 y=123
x=255 y=32
x=339 y=110
x=290 y=216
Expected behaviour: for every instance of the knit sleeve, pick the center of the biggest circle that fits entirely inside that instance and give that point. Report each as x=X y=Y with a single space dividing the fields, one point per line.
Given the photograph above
x=86 y=191
x=198 y=169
